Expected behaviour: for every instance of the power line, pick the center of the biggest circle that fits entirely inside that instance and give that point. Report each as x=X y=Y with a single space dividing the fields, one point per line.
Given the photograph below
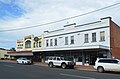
x=59 y=20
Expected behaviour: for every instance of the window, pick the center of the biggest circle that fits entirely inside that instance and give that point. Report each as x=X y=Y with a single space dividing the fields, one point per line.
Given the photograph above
x=79 y=59
x=28 y=44
x=72 y=39
x=93 y=37
x=19 y=47
x=102 y=36
x=40 y=44
x=58 y=59
x=114 y=61
x=86 y=38
x=35 y=44
x=55 y=41
x=54 y=58
x=108 y=61
x=49 y=58
x=47 y=43
x=51 y=42
x=66 y=40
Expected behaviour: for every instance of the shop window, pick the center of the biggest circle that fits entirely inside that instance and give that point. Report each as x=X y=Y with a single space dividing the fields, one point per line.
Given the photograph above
x=79 y=59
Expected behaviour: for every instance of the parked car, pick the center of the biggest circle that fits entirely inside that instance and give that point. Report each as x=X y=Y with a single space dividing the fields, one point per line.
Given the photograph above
x=24 y=61
x=107 y=64
x=60 y=61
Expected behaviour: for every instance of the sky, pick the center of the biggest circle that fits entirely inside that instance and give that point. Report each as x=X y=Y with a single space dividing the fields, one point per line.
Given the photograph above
x=15 y=14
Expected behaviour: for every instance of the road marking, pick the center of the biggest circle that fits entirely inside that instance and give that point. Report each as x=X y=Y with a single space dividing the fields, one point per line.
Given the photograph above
x=8 y=66
x=77 y=76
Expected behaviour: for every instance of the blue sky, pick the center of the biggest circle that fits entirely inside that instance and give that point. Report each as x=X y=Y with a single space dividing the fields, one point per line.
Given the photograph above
x=24 y=13
x=10 y=9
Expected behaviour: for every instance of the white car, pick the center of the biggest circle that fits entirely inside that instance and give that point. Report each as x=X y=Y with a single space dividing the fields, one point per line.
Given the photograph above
x=60 y=61
x=24 y=61
x=107 y=64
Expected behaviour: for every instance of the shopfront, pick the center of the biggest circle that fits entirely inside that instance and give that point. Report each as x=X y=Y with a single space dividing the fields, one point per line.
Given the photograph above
x=81 y=57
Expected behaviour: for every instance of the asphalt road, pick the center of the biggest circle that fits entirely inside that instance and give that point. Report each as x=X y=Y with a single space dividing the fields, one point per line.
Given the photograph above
x=17 y=71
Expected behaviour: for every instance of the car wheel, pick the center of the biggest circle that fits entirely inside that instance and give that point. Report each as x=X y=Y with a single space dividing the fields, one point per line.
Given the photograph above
x=100 y=69
x=22 y=62
x=17 y=62
x=63 y=66
x=50 y=65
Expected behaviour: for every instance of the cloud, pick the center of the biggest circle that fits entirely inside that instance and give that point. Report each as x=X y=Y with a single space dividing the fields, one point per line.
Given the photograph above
x=9 y=10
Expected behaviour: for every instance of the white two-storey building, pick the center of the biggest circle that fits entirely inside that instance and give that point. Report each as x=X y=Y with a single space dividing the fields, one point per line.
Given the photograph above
x=80 y=43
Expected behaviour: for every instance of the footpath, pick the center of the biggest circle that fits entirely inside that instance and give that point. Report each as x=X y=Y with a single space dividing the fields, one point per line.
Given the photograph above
x=77 y=67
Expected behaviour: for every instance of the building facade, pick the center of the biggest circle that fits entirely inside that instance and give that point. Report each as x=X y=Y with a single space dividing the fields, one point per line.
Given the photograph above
x=25 y=46
x=80 y=43
x=3 y=54
x=83 y=43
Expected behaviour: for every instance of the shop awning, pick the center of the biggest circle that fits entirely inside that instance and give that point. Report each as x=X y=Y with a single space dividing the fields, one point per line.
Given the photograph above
x=20 y=53
x=73 y=48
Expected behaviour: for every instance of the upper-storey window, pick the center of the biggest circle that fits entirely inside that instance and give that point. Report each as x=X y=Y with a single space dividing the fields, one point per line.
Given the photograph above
x=47 y=43
x=86 y=38
x=66 y=40
x=28 y=44
x=40 y=44
x=55 y=41
x=35 y=44
x=93 y=37
x=102 y=36
x=51 y=42
x=72 y=39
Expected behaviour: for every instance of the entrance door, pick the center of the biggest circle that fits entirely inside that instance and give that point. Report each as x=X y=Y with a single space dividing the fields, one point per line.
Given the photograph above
x=36 y=57
x=93 y=58
x=87 y=59
x=90 y=58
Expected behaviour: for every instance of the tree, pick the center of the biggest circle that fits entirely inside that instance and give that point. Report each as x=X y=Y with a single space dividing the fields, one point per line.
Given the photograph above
x=12 y=49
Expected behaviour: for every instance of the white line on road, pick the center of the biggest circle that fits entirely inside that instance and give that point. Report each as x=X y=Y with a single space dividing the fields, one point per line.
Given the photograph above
x=8 y=66
x=76 y=76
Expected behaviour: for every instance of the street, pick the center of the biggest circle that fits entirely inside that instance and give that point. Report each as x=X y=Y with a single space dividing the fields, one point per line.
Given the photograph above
x=17 y=71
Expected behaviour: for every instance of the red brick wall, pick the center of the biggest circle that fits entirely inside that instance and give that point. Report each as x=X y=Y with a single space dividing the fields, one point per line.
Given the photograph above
x=115 y=39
